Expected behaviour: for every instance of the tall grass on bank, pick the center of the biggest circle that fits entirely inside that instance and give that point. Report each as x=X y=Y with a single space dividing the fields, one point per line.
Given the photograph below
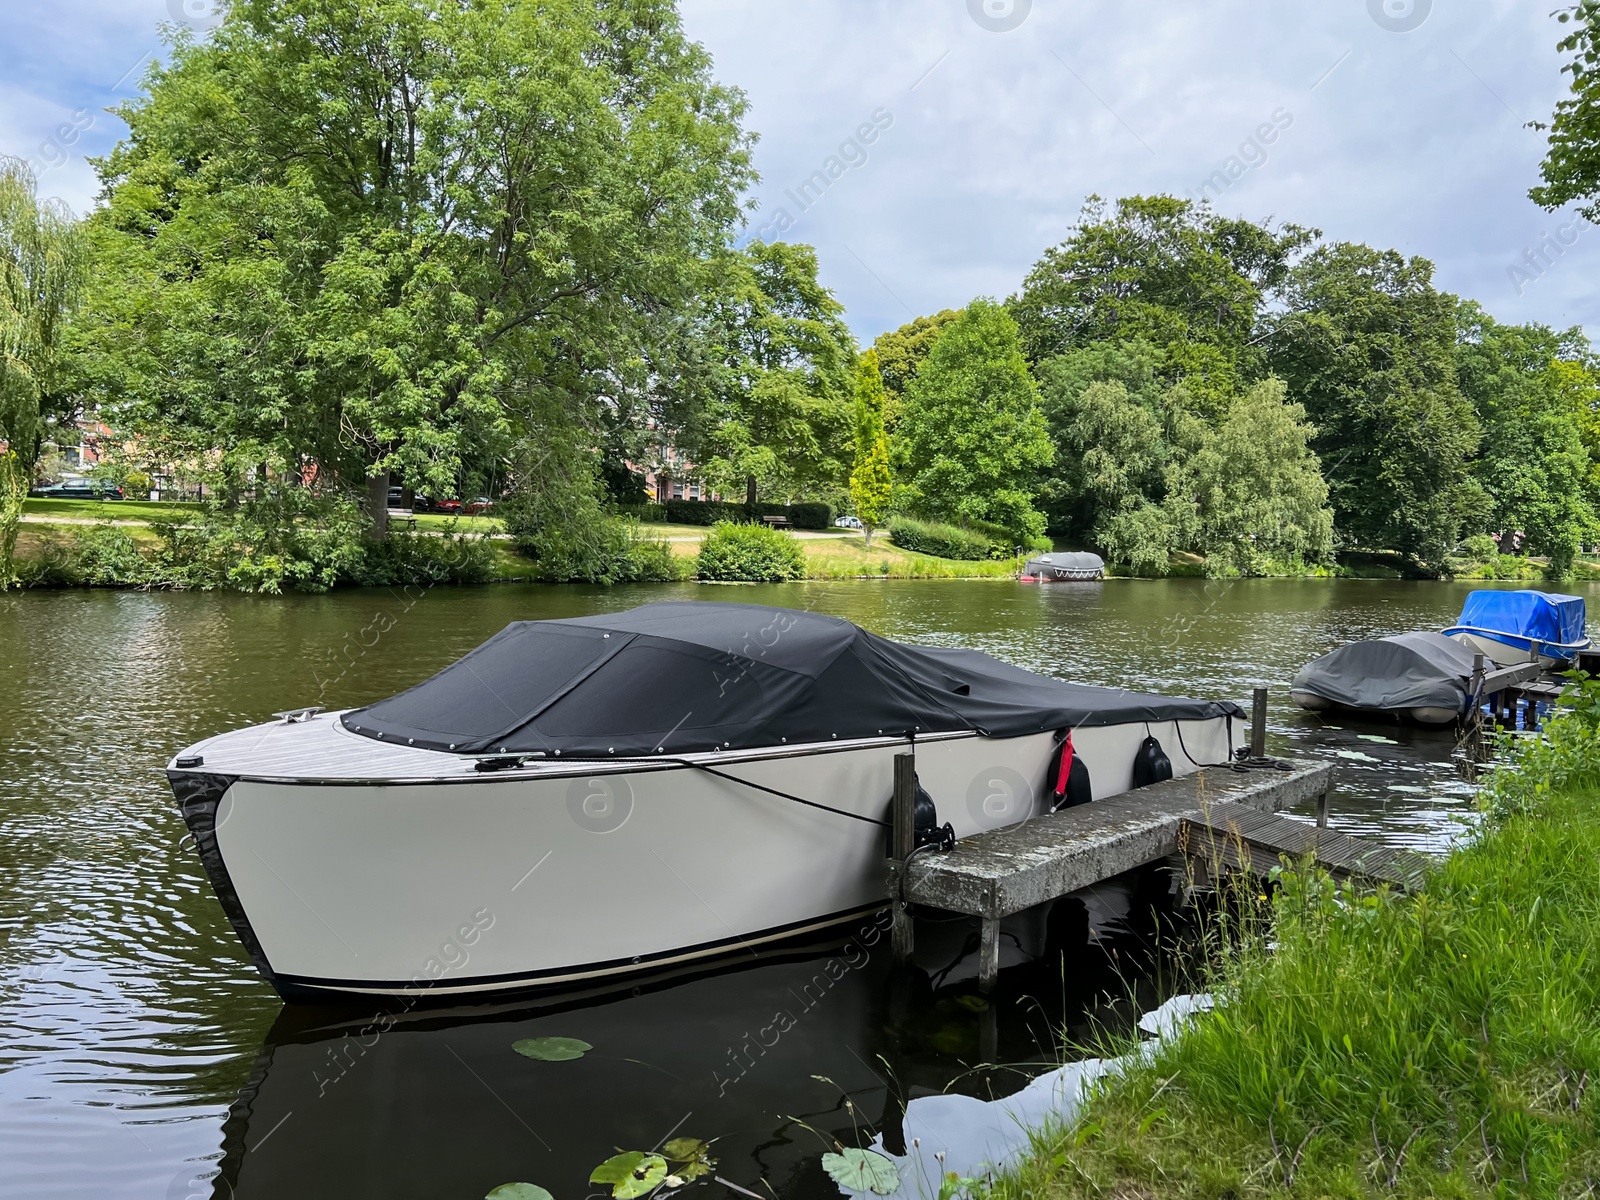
x=1445 y=1043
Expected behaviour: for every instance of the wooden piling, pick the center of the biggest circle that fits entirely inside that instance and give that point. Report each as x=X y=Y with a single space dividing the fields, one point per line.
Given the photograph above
x=989 y=954
x=904 y=837
x=1258 y=724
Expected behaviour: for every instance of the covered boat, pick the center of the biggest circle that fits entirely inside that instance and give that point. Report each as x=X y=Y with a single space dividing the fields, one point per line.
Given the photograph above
x=1522 y=626
x=1424 y=676
x=1073 y=567
x=582 y=798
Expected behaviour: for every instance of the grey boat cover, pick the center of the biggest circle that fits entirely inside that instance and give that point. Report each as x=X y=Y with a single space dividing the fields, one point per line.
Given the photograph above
x=1076 y=561
x=684 y=676
x=1409 y=670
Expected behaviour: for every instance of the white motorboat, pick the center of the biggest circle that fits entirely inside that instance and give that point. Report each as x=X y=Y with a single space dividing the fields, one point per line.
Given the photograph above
x=580 y=799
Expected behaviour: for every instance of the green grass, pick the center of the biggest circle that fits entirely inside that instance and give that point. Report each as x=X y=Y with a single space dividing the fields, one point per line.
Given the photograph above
x=1460 y=1024
x=111 y=510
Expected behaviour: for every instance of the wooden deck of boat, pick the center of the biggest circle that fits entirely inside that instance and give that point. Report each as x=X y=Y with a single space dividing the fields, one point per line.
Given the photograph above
x=1219 y=818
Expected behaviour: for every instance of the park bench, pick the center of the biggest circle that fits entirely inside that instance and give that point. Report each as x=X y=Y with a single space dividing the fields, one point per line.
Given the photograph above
x=776 y=522
x=402 y=518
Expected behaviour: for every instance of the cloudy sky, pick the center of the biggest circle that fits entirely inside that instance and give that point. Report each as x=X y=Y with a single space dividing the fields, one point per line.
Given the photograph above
x=1397 y=122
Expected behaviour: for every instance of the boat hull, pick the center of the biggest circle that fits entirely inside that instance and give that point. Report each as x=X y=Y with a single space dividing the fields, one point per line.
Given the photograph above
x=1513 y=650
x=1433 y=716
x=563 y=876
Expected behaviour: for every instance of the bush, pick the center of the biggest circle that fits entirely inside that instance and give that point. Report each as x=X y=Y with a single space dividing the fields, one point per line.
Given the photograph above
x=811 y=516
x=1479 y=548
x=419 y=558
x=709 y=512
x=942 y=540
x=703 y=512
x=750 y=554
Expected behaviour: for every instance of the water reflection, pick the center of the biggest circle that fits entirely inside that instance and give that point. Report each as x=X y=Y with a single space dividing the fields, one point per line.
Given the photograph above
x=437 y=1103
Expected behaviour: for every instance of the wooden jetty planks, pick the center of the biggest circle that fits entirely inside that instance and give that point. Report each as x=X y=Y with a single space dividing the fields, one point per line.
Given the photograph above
x=1230 y=836
x=1221 y=818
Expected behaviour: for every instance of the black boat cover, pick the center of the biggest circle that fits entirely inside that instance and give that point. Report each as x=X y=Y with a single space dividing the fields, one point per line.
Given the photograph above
x=684 y=676
x=1409 y=670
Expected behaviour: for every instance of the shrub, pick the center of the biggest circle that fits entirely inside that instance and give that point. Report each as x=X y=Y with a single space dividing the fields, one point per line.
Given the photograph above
x=750 y=554
x=652 y=561
x=420 y=558
x=942 y=540
x=1479 y=548
x=811 y=516
x=703 y=512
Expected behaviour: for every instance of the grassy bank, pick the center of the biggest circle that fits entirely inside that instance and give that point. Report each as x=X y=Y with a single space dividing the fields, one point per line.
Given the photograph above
x=1441 y=1044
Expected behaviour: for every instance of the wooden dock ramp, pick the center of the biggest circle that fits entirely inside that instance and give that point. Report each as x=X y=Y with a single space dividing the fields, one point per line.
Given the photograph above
x=1219 y=816
x=1227 y=837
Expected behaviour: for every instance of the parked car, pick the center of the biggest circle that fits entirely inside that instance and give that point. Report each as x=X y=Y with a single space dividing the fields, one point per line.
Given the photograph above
x=427 y=504
x=481 y=505
x=78 y=489
x=847 y=522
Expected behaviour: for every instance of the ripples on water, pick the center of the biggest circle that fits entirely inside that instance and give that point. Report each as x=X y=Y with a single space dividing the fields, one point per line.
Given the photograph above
x=133 y=1022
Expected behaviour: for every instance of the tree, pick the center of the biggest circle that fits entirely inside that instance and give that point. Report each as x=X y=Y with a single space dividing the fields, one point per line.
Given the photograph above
x=1534 y=463
x=901 y=353
x=1116 y=428
x=1252 y=496
x=1165 y=271
x=381 y=235
x=976 y=441
x=870 y=480
x=1367 y=345
x=777 y=364
x=42 y=269
x=1571 y=167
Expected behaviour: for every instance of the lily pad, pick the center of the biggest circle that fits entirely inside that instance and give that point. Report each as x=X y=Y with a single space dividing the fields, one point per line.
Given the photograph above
x=552 y=1049
x=519 y=1191
x=862 y=1171
x=691 y=1158
x=631 y=1174
x=973 y=1003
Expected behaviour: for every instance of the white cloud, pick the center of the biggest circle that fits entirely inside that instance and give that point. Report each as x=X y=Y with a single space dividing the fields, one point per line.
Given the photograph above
x=1415 y=140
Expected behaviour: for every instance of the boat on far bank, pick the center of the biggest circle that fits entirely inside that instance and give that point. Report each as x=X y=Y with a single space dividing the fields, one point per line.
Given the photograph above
x=1071 y=567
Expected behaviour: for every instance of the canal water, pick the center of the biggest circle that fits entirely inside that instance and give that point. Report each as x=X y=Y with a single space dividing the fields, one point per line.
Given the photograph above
x=141 y=1055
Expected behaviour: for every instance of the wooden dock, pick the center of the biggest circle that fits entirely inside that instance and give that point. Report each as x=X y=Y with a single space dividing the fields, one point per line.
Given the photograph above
x=1220 y=818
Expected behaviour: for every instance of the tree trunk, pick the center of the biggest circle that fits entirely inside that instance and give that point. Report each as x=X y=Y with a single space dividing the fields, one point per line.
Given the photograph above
x=378 y=504
x=750 y=493
x=867 y=529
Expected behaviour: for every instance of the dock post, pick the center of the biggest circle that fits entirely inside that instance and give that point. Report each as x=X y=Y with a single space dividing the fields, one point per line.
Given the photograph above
x=1475 y=729
x=1322 y=804
x=989 y=954
x=904 y=833
x=1258 y=724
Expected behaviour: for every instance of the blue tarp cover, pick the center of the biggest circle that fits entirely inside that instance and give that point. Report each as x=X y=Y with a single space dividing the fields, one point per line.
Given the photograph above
x=1542 y=616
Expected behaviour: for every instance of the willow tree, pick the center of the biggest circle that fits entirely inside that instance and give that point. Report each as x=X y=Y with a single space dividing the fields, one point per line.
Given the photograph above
x=41 y=273
x=403 y=235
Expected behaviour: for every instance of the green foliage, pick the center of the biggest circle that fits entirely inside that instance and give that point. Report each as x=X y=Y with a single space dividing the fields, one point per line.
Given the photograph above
x=1118 y=431
x=969 y=543
x=394 y=235
x=1166 y=272
x=1441 y=1043
x=1533 y=463
x=1367 y=345
x=552 y=1049
x=976 y=441
x=773 y=361
x=1571 y=167
x=870 y=482
x=1252 y=496
x=43 y=265
x=750 y=554
x=901 y=353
